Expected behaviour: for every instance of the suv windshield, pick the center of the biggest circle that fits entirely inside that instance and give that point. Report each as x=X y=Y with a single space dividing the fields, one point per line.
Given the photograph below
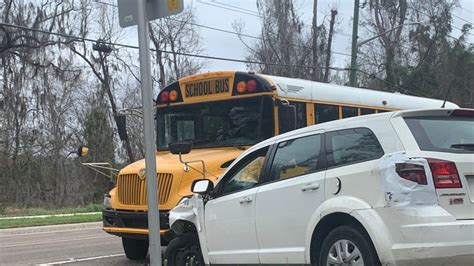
x=445 y=134
x=216 y=124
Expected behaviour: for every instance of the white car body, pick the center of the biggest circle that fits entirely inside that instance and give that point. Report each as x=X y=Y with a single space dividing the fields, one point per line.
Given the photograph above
x=278 y=222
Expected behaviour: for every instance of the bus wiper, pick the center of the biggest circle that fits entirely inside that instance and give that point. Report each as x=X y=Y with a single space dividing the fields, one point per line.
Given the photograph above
x=464 y=146
x=240 y=147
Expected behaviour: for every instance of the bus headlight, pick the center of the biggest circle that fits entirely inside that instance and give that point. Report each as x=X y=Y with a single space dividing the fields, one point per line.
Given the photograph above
x=107 y=201
x=184 y=201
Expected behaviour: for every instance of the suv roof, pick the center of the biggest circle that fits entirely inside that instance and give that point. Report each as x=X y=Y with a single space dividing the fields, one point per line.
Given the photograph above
x=359 y=121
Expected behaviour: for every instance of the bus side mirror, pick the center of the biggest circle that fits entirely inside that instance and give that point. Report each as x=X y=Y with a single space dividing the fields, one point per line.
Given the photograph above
x=287 y=118
x=82 y=151
x=183 y=147
x=121 y=121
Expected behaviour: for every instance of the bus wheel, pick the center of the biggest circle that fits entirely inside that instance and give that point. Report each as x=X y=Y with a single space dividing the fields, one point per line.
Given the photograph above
x=184 y=250
x=346 y=245
x=135 y=249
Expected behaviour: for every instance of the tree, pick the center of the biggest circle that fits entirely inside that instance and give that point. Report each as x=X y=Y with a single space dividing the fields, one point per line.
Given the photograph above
x=286 y=40
x=423 y=57
x=177 y=35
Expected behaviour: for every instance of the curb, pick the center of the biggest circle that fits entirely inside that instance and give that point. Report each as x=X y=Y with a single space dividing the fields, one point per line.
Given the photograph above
x=48 y=228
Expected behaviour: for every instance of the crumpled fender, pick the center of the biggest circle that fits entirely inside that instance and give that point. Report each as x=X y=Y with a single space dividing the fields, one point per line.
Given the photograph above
x=191 y=210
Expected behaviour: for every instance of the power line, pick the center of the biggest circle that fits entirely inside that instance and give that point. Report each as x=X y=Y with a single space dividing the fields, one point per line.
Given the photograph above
x=241 y=10
x=465 y=20
x=170 y=52
x=234 y=9
x=466 y=10
x=232 y=32
x=454 y=27
x=208 y=57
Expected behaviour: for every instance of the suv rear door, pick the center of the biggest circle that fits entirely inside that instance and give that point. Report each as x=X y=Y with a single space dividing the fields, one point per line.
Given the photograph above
x=446 y=139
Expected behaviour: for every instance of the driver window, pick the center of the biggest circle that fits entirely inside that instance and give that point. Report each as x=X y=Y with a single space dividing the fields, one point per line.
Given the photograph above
x=247 y=173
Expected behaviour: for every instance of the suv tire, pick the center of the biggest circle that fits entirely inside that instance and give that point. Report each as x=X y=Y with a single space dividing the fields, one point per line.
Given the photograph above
x=348 y=246
x=135 y=249
x=184 y=250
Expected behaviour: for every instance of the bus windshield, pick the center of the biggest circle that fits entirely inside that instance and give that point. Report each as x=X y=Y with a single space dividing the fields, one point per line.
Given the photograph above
x=216 y=124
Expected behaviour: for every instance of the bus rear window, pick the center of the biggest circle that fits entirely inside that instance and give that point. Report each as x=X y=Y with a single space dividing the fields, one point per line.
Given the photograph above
x=444 y=134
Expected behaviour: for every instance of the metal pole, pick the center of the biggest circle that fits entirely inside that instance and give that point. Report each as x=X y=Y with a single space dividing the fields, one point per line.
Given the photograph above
x=150 y=161
x=355 y=29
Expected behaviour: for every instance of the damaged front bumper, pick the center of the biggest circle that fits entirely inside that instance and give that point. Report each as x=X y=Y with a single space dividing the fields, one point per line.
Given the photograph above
x=134 y=224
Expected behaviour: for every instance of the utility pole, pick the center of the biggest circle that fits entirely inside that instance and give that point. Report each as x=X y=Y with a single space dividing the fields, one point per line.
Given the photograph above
x=315 y=40
x=328 y=56
x=355 y=29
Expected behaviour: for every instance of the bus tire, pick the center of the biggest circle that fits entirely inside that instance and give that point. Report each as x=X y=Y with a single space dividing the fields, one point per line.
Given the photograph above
x=347 y=245
x=135 y=249
x=184 y=250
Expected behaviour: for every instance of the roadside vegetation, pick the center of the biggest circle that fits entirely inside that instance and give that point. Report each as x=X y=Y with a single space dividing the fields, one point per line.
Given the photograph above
x=9 y=217
x=12 y=212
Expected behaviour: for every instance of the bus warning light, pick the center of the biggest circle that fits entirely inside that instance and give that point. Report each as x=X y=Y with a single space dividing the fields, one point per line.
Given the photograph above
x=173 y=95
x=241 y=87
x=165 y=96
x=251 y=86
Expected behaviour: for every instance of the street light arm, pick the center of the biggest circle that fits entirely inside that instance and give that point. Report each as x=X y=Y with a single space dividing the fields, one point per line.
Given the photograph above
x=385 y=32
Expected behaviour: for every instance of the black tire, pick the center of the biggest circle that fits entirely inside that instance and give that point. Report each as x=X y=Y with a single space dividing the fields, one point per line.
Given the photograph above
x=357 y=240
x=184 y=250
x=135 y=249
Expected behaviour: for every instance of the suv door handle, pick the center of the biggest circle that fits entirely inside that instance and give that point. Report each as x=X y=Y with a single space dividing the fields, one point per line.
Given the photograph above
x=245 y=200
x=310 y=187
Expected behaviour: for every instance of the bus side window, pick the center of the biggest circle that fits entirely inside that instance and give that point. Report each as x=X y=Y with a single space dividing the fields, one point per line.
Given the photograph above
x=300 y=114
x=349 y=111
x=326 y=112
x=382 y=111
x=366 y=111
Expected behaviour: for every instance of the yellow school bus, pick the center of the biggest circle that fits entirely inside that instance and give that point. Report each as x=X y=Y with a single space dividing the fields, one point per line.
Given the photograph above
x=223 y=113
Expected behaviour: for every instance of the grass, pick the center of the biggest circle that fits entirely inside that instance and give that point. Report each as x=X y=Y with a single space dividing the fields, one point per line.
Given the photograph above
x=24 y=222
x=14 y=223
x=11 y=211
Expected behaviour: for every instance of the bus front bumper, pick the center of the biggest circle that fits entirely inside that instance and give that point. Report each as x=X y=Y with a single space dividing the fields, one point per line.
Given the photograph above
x=134 y=224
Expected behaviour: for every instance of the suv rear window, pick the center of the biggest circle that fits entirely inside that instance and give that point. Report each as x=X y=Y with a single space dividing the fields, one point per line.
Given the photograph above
x=444 y=134
x=350 y=146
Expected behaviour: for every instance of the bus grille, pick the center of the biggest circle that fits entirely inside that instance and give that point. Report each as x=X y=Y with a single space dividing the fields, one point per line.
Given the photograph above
x=132 y=189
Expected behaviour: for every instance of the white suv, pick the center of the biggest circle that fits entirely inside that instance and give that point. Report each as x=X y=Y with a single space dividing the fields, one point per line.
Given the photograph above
x=392 y=188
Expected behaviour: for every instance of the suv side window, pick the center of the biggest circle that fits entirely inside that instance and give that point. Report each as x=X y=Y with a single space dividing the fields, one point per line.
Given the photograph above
x=352 y=146
x=246 y=174
x=297 y=157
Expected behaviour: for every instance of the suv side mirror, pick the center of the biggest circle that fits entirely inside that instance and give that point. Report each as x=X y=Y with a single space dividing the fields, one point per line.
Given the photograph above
x=82 y=151
x=121 y=121
x=202 y=186
x=183 y=147
x=287 y=118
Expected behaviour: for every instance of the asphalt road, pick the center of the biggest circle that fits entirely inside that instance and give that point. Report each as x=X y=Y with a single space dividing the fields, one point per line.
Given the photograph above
x=84 y=244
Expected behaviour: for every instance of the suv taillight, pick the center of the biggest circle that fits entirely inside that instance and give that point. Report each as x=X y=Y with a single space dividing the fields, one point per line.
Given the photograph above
x=412 y=172
x=445 y=174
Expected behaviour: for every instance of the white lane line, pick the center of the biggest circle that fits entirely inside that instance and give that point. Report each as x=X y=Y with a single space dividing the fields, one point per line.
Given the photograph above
x=57 y=231
x=57 y=241
x=72 y=260
x=49 y=215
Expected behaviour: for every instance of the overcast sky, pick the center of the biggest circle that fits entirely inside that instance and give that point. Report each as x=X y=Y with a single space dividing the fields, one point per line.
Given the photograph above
x=222 y=13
